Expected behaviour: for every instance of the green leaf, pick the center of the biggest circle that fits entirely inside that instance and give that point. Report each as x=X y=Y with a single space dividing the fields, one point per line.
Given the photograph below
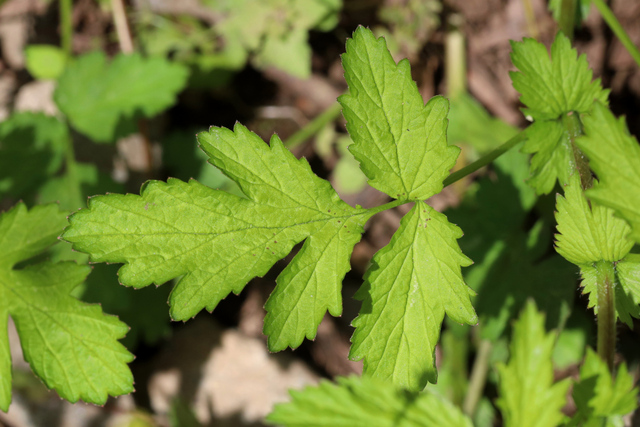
x=614 y=155
x=412 y=283
x=551 y=88
x=591 y=234
x=70 y=345
x=598 y=396
x=588 y=233
x=218 y=241
x=401 y=143
x=45 y=61
x=507 y=251
x=528 y=396
x=32 y=148
x=96 y=96
x=365 y=401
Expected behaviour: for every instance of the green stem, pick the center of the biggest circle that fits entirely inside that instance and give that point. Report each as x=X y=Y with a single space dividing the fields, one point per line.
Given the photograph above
x=605 y=281
x=573 y=130
x=386 y=206
x=567 y=19
x=66 y=27
x=617 y=29
x=484 y=160
x=313 y=127
x=478 y=378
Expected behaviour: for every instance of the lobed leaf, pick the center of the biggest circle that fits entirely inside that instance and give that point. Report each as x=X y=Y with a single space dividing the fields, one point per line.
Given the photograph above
x=590 y=234
x=412 y=283
x=614 y=155
x=528 y=396
x=218 y=241
x=70 y=345
x=96 y=95
x=552 y=88
x=401 y=143
x=601 y=398
x=365 y=401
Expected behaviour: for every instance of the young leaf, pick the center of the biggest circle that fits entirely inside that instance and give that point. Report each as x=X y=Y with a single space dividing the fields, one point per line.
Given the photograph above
x=528 y=396
x=218 y=241
x=45 y=61
x=365 y=401
x=412 y=283
x=401 y=143
x=591 y=234
x=599 y=397
x=71 y=346
x=615 y=157
x=552 y=88
x=95 y=95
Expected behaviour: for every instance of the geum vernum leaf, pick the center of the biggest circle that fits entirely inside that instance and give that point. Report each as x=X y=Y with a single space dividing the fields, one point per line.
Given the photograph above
x=401 y=145
x=365 y=401
x=96 y=96
x=614 y=155
x=412 y=282
x=528 y=395
x=218 y=241
x=591 y=234
x=400 y=142
x=552 y=88
x=72 y=346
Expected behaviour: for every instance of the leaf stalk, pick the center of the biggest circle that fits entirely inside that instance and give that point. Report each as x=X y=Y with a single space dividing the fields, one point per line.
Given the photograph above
x=484 y=160
x=314 y=126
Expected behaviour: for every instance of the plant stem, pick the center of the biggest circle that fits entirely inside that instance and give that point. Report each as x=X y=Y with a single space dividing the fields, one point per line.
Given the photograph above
x=313 y=127
x=567 y=19
x=122 y=27
x=532 y=25
x=66 y=27
x=605 y=281
x=484 y=160
x=573 y=129
x=387 y=206
x=478 y=378
x=617 y=29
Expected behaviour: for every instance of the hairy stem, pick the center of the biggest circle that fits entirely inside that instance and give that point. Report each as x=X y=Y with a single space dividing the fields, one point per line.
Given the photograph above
x=617 y=29
x=66 y=27
x=484 y=160
x=314 y=126
x=573 y=130
x=606 y=277
x=478 y=378
x=567 y=19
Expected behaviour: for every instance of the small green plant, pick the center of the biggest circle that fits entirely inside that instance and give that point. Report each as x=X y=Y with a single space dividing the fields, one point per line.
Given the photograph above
x=213 y=242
